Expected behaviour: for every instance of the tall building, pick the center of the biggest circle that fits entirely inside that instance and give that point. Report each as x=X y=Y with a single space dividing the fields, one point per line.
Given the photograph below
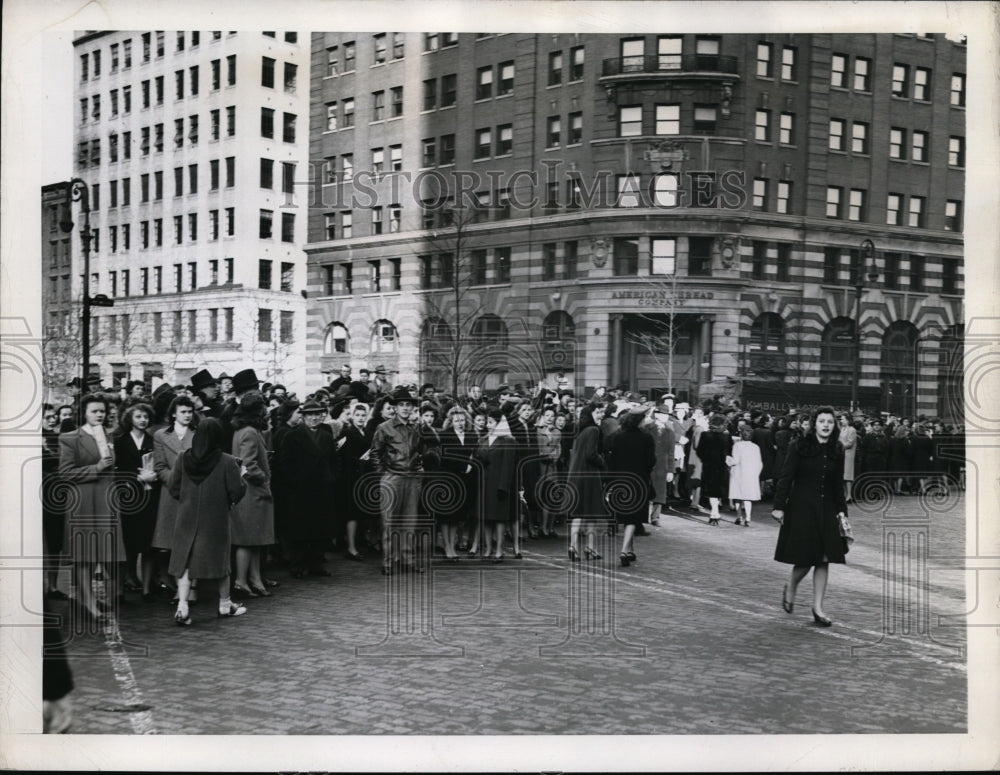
x=190 y=143
x=682 y=211
x=61 y=332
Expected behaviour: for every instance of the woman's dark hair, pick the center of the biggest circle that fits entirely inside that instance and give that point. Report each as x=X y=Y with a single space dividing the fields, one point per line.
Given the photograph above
x=92 y=398
x=126 y=419
x=810 y=442
x=587 y=416
x=181 y=401
x=746 y=434
x=427 y=406
x=494 y=412
x=380 y=403
x=630 y=420
x=252 y=412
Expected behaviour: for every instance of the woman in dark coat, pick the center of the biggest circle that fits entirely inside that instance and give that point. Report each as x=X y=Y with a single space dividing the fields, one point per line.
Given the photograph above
x=458 y=447
x=307 y=459
x=782 y=438
x=811 y=493
x=527 y=466
x=631 y=460
x=139 y=492
x=714 y=448
x=253 y=517
x=922 y=463
x=52 y=495
x=586 y=469
x=86 y=462
x=496 y=453
x=900 y=446
x=206 y=483
x=352 y=463
x=876 y=451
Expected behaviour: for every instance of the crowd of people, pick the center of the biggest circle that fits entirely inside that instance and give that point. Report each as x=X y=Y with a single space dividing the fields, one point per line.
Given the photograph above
x=209 y=487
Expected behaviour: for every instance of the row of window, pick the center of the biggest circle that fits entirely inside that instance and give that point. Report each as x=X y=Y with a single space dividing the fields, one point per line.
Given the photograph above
x=151 y=231
x=837 y=260
x=918 y=147
x=914 y=215
x=151 y=279
x=907 y=82
x=338 y=279
x=185 y=326
x=381 y=222
x=151 y=184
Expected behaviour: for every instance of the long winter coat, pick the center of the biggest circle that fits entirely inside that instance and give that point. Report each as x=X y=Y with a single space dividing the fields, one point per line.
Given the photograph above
x=166 y=449
x=201 y=539
x=92 y=529
x=137 y=505
x=849 y=439
x=899 y=454
x=308 y=462
x=631 y=460
x=745 y=474
x=810 y=491
x=922 y=454
x=663 y=445
x=253 y=517
x=354 y=503
x=457 y=455
x=763 y=439
x=713 y=447
x=876 y=450
x=586 y=467
x=499 y=491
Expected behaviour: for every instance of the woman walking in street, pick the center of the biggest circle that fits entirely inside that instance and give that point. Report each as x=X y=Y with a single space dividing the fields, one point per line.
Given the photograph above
x=714 y=447
x=808 y=504
x=139 y=494
x=631 y=460
x=206 y=482
x=86 y=462
x=497 y=453
x=745 y=476
x=253 y=516
x=586 y=469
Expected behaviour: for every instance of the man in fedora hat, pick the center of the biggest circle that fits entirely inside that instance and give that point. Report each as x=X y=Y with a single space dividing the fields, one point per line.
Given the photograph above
x=207 y=389
x=396 y=453
x=244 y=382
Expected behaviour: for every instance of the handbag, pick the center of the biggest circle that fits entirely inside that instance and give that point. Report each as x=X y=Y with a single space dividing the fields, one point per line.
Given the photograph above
x=846 y=534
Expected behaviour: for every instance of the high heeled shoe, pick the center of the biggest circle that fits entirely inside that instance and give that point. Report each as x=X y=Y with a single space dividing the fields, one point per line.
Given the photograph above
x=785 y=604
x=182 y=620
x=590 y=554
x=260 y=591
x=822 y=621
x=624 y=558
x=240 y=591
x=574 y=555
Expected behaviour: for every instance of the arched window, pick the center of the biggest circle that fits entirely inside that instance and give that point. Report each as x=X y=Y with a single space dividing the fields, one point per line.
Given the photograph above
x=558 y=326
x=767 y=334
x=559 y=342
x=384 y=338
x=899 y=367
x=487 y=358
x=336 y=340
x=489 y=330
x=837 y=353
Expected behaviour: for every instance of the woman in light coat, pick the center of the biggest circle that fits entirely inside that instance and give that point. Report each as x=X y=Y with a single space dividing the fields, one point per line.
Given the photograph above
x=253 y=517
x=744 y=475
x=849 y=440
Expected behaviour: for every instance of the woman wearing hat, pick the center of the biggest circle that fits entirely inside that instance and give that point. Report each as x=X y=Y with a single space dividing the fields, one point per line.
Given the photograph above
x=253 y=516
x=586 y=467
x=809 y=502
x=631 y=460
x=714 y=448
x=206 y=482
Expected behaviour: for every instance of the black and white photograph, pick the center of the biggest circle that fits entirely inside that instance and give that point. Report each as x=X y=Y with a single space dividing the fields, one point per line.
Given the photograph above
x=611 y=388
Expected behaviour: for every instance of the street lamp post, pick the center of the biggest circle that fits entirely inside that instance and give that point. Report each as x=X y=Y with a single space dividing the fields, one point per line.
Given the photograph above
x=76 y=190
x=867 y=253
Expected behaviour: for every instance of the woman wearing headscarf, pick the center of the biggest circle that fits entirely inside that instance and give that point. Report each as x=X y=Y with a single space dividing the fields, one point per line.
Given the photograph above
x=139 y=493
x=631 y=460
x=745 y=475
x=586 y=467
x=307 y=459
x=86 y=462
x=207 y=483
x=458 y=447
x=714 y=448
x=253 y=516
x=808 y=503
x=496 y=454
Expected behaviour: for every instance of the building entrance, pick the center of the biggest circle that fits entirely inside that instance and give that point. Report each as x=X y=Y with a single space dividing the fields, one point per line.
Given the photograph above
x=650 y=364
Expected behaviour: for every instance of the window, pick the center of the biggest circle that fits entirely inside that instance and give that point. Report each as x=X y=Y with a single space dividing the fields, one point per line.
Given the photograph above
x=348 y=57
x=213 y=177
x=706 y=47
x=267 y=173
x=286 y=324
x=859 y=137
x=759 y=262
x=548 y=261
x=834 y=195
x=231 y=121
x=395 y=215
x=626 y=256
x=264 y=326
x=958 y=90
x=838 y=71
x=478 y=269
x=376 y=220
x=862 y=74
x=949 y=275
x=216 y=65
x=290 y=73
x=158 y=84
x=856 y=206
x=267 y=122
x=346 y=224
x=446 y=150
x=267 y=72
x=126 y=99
x=836 y=134
x=378 y=105
x=765 y=53
x=265 y=222
x=378 y=163
x=287 y=177
x=551 y=202
x=126 y=54
x=501 y=257
x=145 y=46
x=449 y=87
x=229 y=281
x=921 y=84
x=956 y=151
x=575 y=134
x=916 y=212
x=384 y=337
x=555 y=68
x=179 y=84
x=288 y=128
x=919 y=147
x=900 y=80
x=157 y=186
x=505 y=139
x=398 y=45
x=502 y=198
x=348 y=112
x=897 y=143
x=484 y=83
x=215 y=119
x=705 y=117
x=553 y=133
x=264 y=271
x=194 y=82
x=916 y=273
x=786 y=129
x=505 y=83
x=213 y=224
x=788 y=63
x=332 y=60
x=783 y=204
x=96 y=57
x=484 y=143
x=144 y=187
x=633 y=52
x=668 y=119
x=290 y=37
x=700 y=256
x=428 y=152
x=431 y=41
x=193 y=226
x=891 y=278
x=894 y=203
x=126 y=192
x=576 y=59
x=762 y=125
x=665 y=190
x=630 y=121
x=628 y=191
x=379 y=54
x=231 y=70
x=953 y=215
x=663 y=256
x=347 y=167
x=396 y=105
x=430 y=94
x=760 y=194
